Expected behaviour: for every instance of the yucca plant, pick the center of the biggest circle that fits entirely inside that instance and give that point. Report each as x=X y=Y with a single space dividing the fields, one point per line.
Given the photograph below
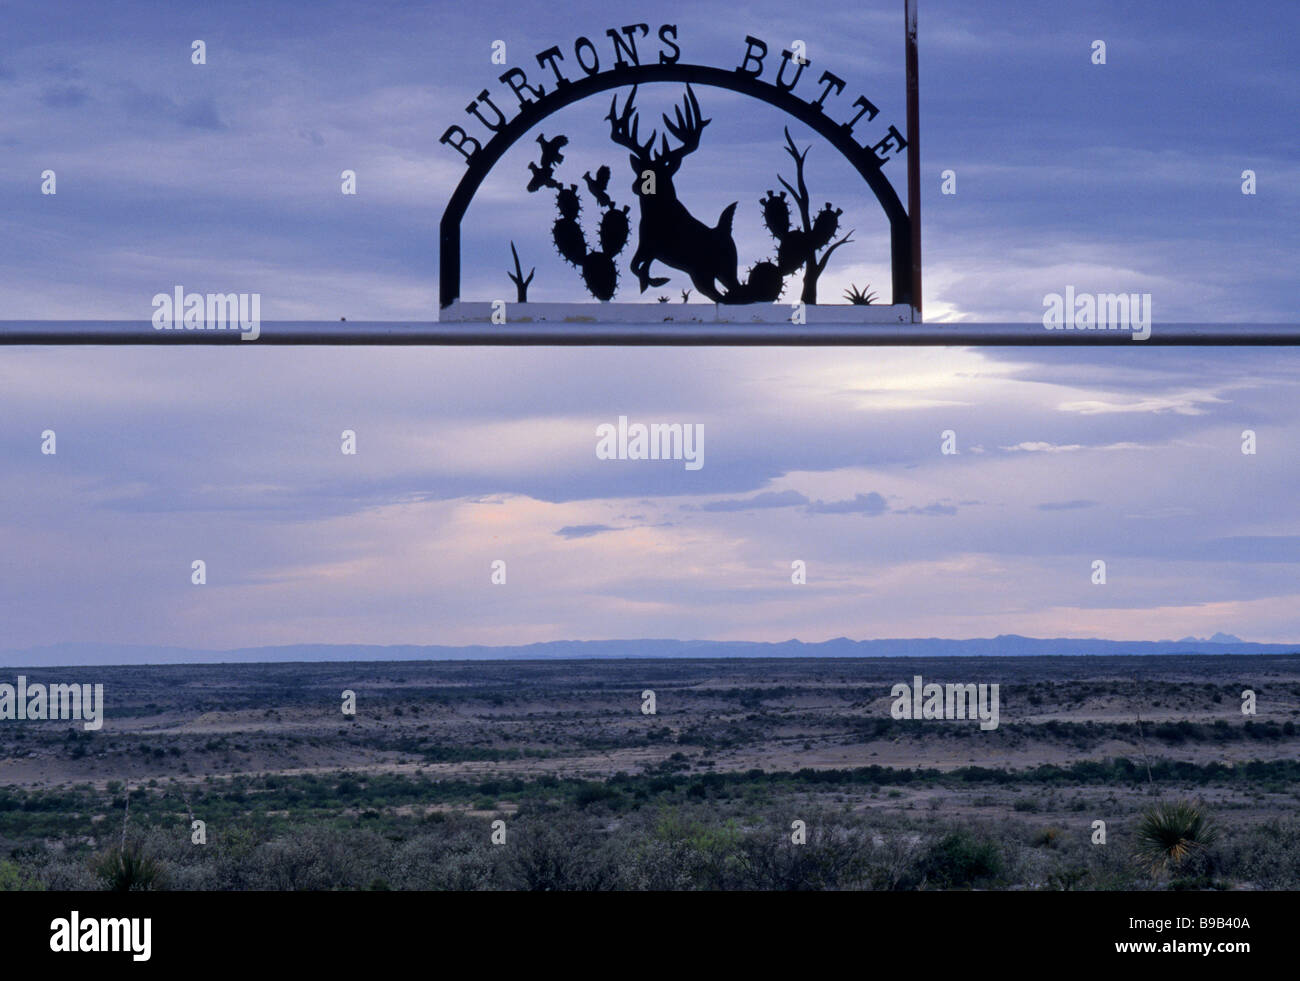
x=128 y=869
x=859 y=297
x=1171 y=834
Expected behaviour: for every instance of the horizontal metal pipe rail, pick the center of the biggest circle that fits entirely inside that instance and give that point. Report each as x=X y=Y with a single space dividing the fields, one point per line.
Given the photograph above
x=386 y=333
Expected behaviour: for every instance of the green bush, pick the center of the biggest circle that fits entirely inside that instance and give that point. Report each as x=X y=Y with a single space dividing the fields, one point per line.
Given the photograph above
x=959 y=860
x=14 y=878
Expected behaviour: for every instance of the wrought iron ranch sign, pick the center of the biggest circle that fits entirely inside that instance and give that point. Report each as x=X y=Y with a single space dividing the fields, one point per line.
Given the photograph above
x=629 y=216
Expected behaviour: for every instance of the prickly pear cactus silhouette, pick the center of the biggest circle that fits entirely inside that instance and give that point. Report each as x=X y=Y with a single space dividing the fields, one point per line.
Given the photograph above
x=763 y=283
x=799 y=245
x=597 y=267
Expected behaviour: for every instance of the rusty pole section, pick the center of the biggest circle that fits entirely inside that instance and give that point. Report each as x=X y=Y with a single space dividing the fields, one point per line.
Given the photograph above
x=913 y=155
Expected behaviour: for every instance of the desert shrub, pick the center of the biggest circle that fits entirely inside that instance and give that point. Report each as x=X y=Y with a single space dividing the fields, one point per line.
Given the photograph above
x=890 y=863
x=662 y=865
x=1173 y=836
x=65 y=875
x=594 y=792
x=832 y=857
x=1266 y=856
x=15 y=878
x=672 y=849
x=959 y=860
x=1109 y=870
x=1048 y=837
x=453 y=853
x=315 y=858
x=552 y=853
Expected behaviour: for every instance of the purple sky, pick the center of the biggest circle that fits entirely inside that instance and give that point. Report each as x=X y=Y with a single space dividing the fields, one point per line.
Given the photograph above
x=225 y=177
x=469 y=455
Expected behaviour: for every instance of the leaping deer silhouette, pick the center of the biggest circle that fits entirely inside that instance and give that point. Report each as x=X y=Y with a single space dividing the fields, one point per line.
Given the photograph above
x=668 y=232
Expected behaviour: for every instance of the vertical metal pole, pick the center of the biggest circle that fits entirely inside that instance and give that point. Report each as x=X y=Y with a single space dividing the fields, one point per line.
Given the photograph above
x=913 y=156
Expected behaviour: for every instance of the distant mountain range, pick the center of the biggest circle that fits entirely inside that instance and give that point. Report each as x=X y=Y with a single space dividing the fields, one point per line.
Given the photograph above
x=1005 y=645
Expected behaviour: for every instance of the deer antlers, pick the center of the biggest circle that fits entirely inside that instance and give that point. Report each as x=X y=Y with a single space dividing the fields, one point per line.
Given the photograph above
x=622 y=126
x=686 y=129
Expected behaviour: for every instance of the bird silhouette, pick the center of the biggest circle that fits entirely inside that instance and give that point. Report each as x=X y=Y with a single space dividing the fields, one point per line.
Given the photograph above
x=551 y=154
x=542 y=177
x=597 y=185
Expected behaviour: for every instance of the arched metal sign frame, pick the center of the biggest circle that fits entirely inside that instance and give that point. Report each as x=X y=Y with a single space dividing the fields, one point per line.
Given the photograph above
x=838 y=135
